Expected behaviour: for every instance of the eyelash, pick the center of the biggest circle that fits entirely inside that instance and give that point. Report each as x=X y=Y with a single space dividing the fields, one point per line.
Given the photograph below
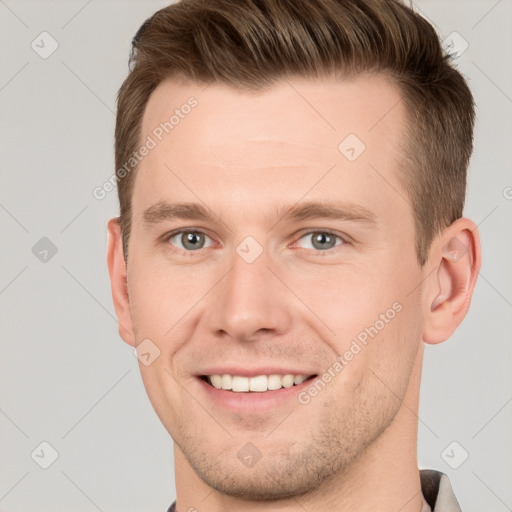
x=327 y=252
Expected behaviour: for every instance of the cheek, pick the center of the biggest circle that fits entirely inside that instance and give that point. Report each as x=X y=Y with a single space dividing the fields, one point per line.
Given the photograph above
x=376 y=370
x=344 y=301
x=159 y=297
x=367 y=314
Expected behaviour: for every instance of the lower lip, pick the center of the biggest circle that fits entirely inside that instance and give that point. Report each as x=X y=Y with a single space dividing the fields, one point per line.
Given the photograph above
x=250 y=402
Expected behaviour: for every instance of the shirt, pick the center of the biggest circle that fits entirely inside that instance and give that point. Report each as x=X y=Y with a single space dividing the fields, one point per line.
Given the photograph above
x=436 y=489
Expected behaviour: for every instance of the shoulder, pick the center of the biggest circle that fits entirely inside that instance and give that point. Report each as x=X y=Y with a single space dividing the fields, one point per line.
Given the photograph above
x=438 y=492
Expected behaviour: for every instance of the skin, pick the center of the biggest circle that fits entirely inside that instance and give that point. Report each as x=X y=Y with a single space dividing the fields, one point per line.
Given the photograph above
x=241 y=154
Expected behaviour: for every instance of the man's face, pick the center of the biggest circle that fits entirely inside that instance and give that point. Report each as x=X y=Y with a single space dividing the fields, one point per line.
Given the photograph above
x=253 y=291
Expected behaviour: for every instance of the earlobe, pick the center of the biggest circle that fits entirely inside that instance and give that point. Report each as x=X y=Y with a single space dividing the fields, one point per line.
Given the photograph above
x=118 y=283
x=450 y=286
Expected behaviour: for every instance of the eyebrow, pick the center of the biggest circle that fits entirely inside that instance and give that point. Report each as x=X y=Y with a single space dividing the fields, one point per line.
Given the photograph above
x=164 y=211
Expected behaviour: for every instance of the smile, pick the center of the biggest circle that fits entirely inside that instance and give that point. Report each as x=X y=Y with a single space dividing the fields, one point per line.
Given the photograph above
x=258 y=384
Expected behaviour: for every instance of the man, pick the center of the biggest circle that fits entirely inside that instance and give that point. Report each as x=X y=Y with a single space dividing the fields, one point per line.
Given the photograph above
x=291 y=177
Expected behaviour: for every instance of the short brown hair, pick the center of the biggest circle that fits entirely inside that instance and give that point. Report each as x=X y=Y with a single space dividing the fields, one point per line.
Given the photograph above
x=250 y=44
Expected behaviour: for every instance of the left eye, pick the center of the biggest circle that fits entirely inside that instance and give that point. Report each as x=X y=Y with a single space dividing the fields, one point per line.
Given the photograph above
x=190 y=240
x=322 y=240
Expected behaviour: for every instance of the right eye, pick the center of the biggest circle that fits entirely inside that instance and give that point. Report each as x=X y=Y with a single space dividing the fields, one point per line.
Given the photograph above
x=191 y=240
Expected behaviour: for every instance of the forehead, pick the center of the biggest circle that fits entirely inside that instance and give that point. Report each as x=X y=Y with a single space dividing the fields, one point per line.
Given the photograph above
x=300 y=136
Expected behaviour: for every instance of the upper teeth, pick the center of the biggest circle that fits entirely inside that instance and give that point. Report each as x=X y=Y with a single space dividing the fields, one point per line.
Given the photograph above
x=238 y=383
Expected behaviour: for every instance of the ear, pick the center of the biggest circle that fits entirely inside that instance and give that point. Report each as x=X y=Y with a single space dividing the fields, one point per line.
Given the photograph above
x=117 y=270
x=456 y=257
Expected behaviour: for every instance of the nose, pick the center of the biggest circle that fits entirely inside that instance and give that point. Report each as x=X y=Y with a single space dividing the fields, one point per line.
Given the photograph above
x=249 y=301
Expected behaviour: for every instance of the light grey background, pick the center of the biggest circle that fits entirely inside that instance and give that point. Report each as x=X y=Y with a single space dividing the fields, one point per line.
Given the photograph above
x=66 y=376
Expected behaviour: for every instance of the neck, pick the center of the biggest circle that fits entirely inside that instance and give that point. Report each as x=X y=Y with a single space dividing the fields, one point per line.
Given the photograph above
x=384 y=477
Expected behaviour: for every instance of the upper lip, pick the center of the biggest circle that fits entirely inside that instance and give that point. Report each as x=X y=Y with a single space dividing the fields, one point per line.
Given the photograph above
x=254 y=372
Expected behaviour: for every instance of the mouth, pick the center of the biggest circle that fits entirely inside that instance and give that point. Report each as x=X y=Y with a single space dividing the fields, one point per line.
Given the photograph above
x=256 y=384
